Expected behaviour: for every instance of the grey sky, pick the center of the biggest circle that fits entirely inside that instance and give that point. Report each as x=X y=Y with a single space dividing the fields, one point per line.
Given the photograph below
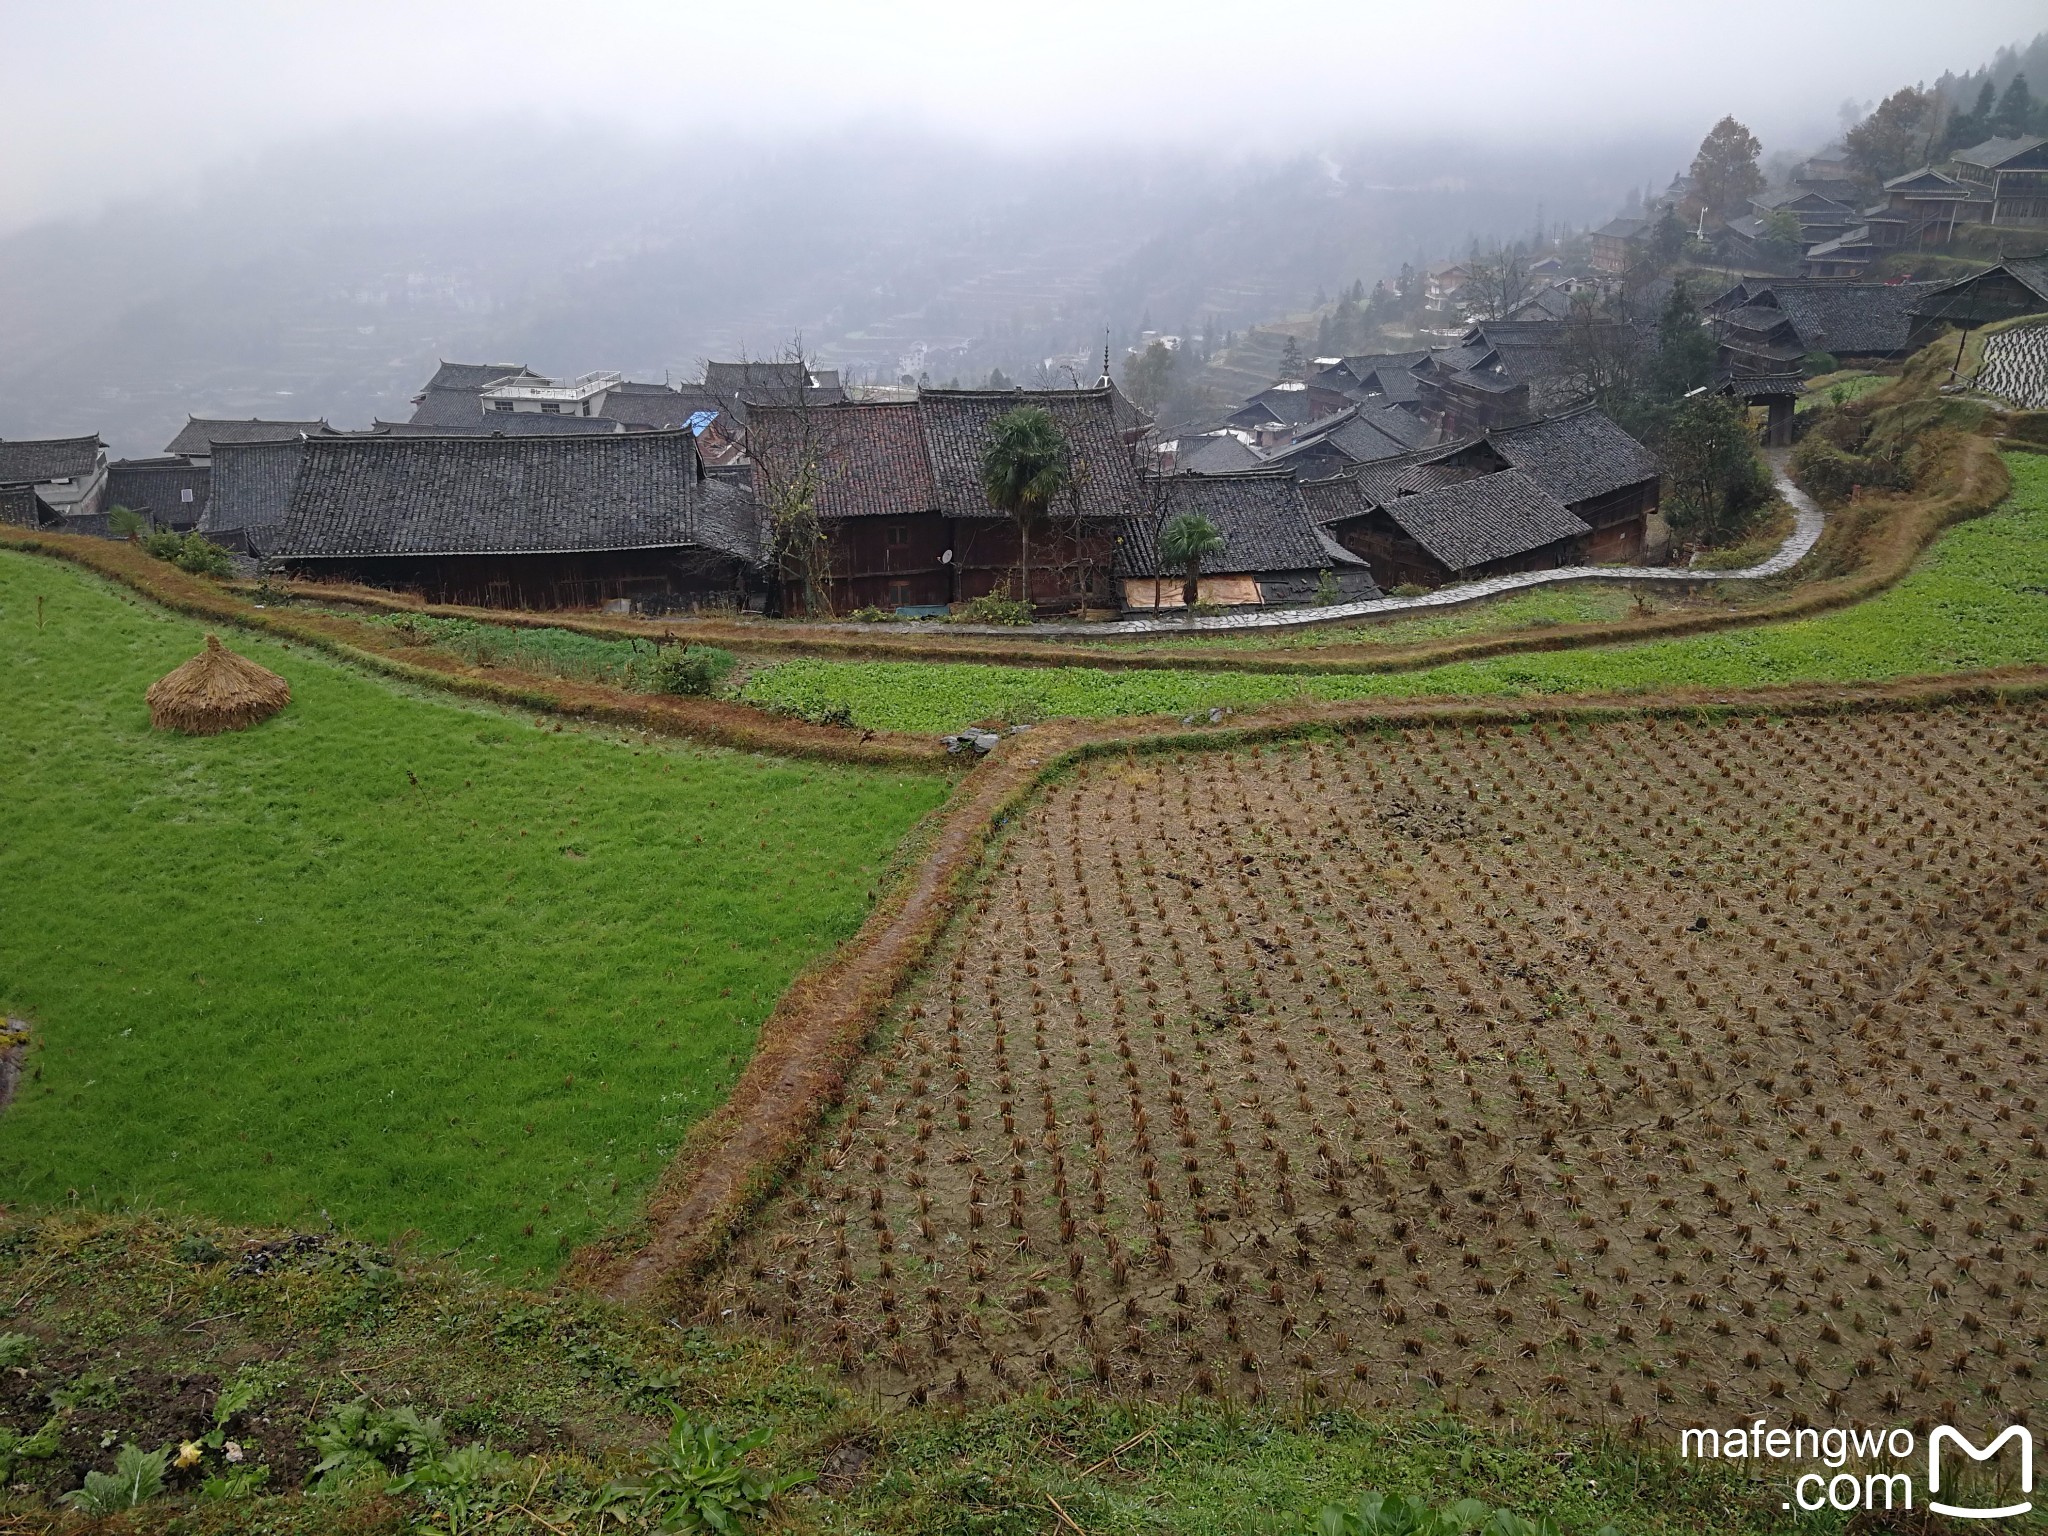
x=110 y=97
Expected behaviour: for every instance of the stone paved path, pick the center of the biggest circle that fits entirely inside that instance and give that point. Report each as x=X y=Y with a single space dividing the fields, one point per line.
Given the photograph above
x=1808 y=520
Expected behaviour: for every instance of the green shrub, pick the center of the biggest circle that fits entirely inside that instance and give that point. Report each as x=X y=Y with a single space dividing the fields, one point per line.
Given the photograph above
x=1817 y=363
x=1327 y=592
x=138 y=1477
x=125 y=522
x=690 y=670
x=1408 y=589
x=697 y=1480
x=360 y=1443
x=1829 y=474
x=15 y=1447
x=994 y=609
x=873 y=615
x=191 y=552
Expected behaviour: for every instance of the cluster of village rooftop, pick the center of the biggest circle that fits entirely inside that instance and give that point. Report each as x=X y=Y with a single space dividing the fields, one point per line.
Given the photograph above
x=1363 y=473
x=2001 y=183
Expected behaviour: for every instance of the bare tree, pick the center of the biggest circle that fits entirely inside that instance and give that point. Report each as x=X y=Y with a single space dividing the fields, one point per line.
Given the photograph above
x=1499 y=280
x=786 y=438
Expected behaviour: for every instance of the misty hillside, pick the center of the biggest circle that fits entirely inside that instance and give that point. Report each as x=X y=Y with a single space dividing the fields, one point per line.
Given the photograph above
x=327 y=280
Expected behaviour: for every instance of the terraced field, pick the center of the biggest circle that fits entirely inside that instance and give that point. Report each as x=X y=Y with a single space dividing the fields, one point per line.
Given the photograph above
x=1646 y=1072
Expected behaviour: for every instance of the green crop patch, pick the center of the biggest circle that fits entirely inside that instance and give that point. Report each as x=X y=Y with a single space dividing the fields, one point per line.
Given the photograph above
x=400 y=962
x=1978 y=599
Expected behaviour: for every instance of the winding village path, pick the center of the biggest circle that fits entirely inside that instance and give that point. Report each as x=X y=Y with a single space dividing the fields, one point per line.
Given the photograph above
x=1808 y=520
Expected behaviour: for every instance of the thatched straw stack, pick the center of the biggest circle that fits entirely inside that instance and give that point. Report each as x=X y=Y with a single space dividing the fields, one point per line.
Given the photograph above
x=215 y=691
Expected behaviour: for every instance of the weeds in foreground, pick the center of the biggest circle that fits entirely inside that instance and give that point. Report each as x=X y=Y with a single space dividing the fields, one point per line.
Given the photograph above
x=698 y=1480
x=1377 y=1515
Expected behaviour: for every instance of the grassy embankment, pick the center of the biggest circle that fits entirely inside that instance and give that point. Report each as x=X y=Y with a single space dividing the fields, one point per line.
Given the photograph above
x=400 y=961
x=138 y=1322
x=1975 y=600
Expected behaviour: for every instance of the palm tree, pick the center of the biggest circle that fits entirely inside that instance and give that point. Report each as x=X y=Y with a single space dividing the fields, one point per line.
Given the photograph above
x=1026 y=465
x=1186 y=542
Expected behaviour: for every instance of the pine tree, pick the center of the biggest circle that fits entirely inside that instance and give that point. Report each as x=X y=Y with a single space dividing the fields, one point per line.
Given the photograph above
x=2015 y=109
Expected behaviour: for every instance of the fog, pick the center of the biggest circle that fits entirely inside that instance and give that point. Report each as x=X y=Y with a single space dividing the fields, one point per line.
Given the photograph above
x=294 y=209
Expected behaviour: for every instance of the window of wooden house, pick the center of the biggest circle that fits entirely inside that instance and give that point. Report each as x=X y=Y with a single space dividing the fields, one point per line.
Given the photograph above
x=898 y=533
x=899 y=594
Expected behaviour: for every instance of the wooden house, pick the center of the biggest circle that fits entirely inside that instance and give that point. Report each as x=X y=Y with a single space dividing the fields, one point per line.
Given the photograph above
x=249 y=485
x=2008 y=181
x=1617 y=245
x=1274 y=552
x=1997 y=293
x=1594 y=470
x=532 y=522
x=1449 y=527
x=900 y=499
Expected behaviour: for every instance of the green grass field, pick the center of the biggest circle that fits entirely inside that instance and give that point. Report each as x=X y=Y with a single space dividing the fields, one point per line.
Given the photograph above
x=405 y=962
x=1978 y=599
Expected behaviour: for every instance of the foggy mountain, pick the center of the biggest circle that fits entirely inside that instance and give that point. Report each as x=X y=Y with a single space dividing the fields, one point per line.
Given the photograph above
x=326 y=279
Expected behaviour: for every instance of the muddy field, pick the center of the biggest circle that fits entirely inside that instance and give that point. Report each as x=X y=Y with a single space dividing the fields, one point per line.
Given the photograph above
x=1649 y=1072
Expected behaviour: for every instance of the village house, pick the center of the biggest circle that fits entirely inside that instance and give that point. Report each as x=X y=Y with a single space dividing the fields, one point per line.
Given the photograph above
x=1274 y=553
x=1431 y=525
x=1770 y=326
x=196 y=439
x=1573 y=489
x=1617 y=245
x=1998 y=293
x=169 y=491
x=522 y=522
x=248 y=489
x=66 y=475
x=2008 y=181
x=900 y=500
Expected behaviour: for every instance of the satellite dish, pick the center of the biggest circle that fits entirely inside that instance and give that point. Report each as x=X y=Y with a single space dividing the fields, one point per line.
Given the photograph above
x=946 y=558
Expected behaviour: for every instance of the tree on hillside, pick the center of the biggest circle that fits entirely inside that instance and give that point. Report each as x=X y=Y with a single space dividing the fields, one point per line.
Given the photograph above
x=1686 y=349
x=2015 y=114
x=1974 y=126
x=1185 y=543
x=1780 y=240
x=1893 y=139
x=1292 y=364
x=1025 y=465
x=1148 y=377
x=1725 y=172
x=1667 y=237
x=1498 y=280
x=997 y=380
x=1713 y=482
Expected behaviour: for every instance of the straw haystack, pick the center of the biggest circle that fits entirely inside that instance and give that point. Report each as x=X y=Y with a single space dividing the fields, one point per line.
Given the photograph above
x=215 y=691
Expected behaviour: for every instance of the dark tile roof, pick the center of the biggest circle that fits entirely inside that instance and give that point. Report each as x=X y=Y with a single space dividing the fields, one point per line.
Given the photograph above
x=360 y=496
x=728 y=520
x=20 y=507
x=871 y=455
x=502 y=424
x=2030 y=274
x=1551 y=303
x=1219 y=454
x=658 y=405
x=155 y=486
x=1483 y=519
x=462 y=409
x=1402 y=475
x=1335 y=499
x=473 y=377
x=1265 y=525
x=773 y=383
x=957 y=424
x=1622 y=229
x=250 y=484
x=1993 y=153
x=1851 y=317
x=1360 y=435
x=1577 y=457
x=199 y=434
x=32 y=461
